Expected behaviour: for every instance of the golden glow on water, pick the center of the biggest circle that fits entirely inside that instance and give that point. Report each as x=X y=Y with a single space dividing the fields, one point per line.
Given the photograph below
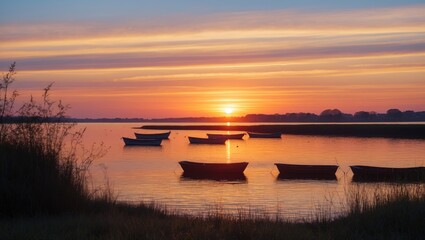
x=153 y=173
x=228 y=151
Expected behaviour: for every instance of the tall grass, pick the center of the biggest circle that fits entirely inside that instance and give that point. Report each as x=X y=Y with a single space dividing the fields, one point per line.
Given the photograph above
x=395 y=211
x=39 y=172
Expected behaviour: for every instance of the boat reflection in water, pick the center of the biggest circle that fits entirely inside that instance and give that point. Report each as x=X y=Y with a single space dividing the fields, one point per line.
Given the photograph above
x=217 y=177
x=306 y=177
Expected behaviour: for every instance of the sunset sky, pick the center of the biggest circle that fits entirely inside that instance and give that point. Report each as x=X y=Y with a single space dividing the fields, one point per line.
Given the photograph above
x=157 y=59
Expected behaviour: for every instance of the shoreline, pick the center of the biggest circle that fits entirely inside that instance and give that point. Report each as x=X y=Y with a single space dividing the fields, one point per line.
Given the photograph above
x=393 y=215
x=401 y=131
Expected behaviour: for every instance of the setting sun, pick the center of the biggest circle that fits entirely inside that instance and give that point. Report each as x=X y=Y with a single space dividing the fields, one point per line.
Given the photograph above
x=228 y=110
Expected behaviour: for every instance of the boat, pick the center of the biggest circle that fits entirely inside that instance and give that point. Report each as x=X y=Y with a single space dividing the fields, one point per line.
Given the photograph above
x=141 y=142
x=306 y=171
x=226 y=136
x=387 y=173
x=152 y=135
x=213 y=169
x=196 y=140
x=264 y=135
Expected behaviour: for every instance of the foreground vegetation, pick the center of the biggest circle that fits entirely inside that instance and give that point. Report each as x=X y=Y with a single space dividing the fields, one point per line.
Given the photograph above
x=43 y=164
x=399 y=214
x=45 y=194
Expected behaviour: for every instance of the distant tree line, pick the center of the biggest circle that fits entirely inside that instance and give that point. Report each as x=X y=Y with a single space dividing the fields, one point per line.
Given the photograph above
x=328 y=115
x=335 y=115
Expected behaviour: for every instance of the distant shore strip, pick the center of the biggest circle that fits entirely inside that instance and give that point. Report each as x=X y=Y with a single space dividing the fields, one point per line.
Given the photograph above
x=403 y=131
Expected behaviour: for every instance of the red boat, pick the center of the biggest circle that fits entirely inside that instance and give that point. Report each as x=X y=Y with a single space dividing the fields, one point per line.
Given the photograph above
x=212 y=169
x=292 y=170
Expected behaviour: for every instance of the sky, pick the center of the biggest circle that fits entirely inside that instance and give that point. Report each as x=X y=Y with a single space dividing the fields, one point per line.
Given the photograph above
x=156 y=59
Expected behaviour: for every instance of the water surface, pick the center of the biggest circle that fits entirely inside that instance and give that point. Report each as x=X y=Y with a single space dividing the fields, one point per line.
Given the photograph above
x=153 y=174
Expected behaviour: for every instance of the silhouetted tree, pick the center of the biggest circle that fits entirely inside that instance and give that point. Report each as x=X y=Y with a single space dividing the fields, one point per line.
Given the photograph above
x=362 y=115
x=394 y=113
x=331 y=112
x=331 y=115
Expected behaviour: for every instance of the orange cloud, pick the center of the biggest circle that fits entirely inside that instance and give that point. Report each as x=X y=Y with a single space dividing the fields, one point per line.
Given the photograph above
x=274 y=61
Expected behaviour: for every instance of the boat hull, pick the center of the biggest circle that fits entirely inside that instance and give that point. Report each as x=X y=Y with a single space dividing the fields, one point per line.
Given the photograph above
x=385 y=173
x=213 y=169
x=195 y=140
x=226 y=136
x=306 y=171
x=264 y=135
x=165 y=135
x=141 y=142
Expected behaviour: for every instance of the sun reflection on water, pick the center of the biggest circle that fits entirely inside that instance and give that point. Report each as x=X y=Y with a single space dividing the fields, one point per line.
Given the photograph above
x=228 y=151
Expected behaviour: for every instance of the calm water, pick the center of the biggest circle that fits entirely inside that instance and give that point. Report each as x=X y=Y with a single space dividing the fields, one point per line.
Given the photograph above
x=153 y=174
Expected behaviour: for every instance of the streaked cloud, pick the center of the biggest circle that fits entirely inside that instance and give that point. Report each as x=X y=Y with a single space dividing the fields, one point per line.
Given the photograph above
x=272 y=61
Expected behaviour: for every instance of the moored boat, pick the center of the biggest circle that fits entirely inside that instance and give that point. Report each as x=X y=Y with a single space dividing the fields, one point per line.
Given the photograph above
x=152 y=135
x=226 y=136
x=387 y=173
x=306 y=171
x=213 y=169
x=264 y=135
x=141 y=142
x=196 y=140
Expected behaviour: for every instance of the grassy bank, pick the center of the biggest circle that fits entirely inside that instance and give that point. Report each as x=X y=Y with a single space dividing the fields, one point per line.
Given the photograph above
x=43 y=163
x=408 y=131
x=398 y=214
